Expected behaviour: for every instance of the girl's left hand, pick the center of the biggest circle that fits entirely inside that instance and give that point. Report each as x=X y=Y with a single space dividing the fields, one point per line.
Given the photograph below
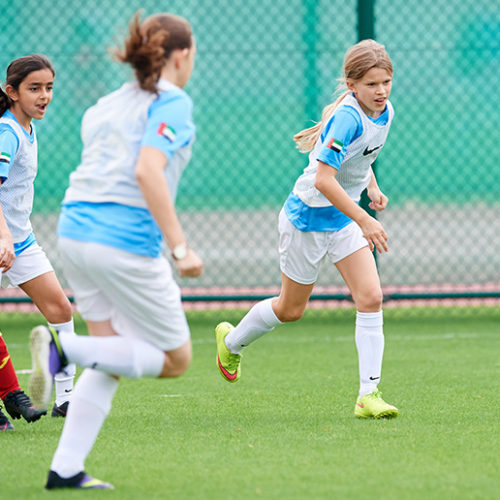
x=379 y=199
x=7 y=254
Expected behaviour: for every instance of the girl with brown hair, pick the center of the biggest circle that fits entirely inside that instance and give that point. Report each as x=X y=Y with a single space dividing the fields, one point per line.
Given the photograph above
x=23 y=263
x=117 y=215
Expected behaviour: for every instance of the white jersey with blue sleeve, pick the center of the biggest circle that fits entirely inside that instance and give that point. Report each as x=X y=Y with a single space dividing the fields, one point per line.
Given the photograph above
x=350 y=143
x=114 y=130
x=103 y=202
x=18 y=169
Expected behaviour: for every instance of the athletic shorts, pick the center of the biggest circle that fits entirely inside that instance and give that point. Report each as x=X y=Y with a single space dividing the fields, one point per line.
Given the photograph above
x=137 y=294
x=27 y=265
x=301 y=252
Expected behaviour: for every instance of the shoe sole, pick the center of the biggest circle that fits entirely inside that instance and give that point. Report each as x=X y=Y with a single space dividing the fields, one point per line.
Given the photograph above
x=41 y=378
x=58 y=413
x=384 y=414
x=29 y=417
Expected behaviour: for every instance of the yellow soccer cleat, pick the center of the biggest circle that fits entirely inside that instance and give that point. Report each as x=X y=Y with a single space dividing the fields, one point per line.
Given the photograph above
x=373 y=406
x=228 y=363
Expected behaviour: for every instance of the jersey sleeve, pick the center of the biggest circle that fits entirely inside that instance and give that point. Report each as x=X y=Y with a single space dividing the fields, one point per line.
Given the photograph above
x=170 y=124
x=9 y=144
x=341 y=130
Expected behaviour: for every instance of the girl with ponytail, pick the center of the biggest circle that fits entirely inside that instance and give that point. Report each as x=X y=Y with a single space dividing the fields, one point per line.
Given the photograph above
x=23 y=263
x=117 y=215
x=321 y=218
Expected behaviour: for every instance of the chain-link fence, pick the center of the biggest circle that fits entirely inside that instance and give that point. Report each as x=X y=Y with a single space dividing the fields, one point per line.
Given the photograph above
x=264 y=71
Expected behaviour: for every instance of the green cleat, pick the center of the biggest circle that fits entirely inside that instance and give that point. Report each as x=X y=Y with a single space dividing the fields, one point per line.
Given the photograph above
x=227 y=362
x=373 y=406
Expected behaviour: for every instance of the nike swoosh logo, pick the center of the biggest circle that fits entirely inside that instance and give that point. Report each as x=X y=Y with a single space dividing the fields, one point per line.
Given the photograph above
x=68 y=390
x=360 y=405
x=367 y=151
x=229 y=376
x=374 y=378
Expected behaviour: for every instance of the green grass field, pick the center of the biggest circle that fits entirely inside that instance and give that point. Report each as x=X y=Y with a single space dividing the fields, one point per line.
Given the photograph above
x=286 y=430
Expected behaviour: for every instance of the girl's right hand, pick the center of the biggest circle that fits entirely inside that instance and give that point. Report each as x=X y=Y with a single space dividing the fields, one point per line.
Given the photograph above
x=191 y=266
x=374 y=234
x=7 y=254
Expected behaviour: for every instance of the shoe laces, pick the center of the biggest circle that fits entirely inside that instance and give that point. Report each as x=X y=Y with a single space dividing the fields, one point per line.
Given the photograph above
x=233 y=360
x=376 y=394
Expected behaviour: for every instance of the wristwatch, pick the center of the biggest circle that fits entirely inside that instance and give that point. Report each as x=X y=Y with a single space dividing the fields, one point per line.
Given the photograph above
x=179 y=252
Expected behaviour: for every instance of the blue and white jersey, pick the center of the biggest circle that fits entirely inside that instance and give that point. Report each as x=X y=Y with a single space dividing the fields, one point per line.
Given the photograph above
x=350 y=143
x=18 y=169
x=103 y=202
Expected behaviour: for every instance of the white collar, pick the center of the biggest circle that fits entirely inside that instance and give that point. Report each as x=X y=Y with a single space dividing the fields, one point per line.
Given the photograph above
x=166 y=85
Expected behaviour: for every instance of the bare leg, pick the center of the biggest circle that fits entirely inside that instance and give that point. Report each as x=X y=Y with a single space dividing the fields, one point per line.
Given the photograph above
x=361 y=276
x=292 y=300
x=267 y=314
x=47 y=294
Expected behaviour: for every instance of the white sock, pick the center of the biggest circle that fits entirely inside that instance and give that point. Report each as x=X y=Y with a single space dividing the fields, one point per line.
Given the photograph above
x=64 y=379
x=258 y=321
x=90 y=405
x=370 y=344
x=121 y=356
x=64 y=383
x=68 y=327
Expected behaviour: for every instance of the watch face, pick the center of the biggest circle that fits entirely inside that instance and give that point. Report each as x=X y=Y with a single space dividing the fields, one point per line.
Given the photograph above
x=180 y=251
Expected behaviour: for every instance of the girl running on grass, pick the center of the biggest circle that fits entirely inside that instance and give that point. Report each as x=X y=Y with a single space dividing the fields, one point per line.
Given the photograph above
x=321 y=218
x=117 y=212
x=27 y=95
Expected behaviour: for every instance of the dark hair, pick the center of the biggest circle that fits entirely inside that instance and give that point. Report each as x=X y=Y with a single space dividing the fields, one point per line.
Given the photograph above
x=18 y=70
x=151 y=42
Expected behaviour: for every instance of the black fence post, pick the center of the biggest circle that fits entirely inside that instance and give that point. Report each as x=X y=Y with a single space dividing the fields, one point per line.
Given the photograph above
x=366 y=29
x=310 y=37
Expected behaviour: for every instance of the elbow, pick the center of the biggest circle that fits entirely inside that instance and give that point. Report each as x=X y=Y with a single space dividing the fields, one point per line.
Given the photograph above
x=319 y=184
x=139 y=175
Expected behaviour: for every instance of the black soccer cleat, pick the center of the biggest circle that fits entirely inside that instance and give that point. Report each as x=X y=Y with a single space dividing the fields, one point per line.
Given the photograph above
x=5 y=424
x=60 y=411
x=79 y=481
x=18 y=405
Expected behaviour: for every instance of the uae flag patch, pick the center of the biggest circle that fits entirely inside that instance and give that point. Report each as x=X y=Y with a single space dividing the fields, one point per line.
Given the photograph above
x=335 y=145
x=167 y=131
x=4 y=157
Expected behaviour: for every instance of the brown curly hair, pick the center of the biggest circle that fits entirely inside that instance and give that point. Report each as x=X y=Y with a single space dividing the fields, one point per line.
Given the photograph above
x=151 y=42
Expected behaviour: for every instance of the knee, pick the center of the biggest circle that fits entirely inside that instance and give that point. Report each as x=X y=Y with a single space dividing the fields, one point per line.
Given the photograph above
x=59 y=311
x=176 y=365
x=179 y=367
x=290 y=314
x=369 y=300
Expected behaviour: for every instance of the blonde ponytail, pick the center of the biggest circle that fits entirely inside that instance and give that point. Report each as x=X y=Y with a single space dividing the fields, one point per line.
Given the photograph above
x=306 y=139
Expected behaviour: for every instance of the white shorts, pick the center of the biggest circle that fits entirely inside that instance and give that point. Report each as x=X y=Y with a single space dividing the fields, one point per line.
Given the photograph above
x=27 y=265
x=301 y=252
x=138 y=294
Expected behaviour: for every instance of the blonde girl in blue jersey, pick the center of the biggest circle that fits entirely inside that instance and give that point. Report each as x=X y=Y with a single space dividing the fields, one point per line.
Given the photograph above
x=117 y=214
x=27 y=95
x=322 y=219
